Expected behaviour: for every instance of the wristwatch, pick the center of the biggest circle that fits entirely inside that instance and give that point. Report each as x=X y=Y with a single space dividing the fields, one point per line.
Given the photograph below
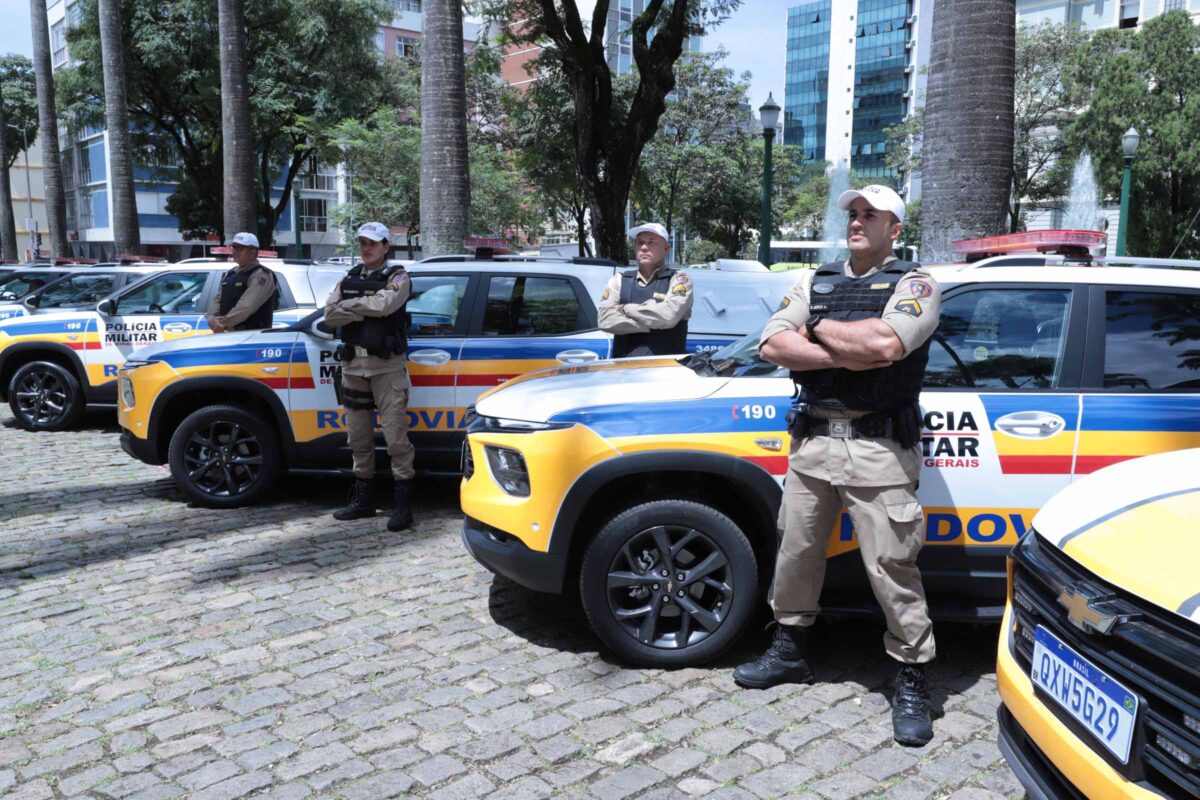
x=812 y=323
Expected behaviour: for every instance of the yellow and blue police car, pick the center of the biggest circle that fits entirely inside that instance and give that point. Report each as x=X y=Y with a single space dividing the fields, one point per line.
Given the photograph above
x=58 y=359
x=1098 y=664
x=628 y=480
x=473 y=324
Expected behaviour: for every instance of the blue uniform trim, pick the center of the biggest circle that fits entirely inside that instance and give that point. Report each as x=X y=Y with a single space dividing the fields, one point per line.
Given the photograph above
x=1124 y=509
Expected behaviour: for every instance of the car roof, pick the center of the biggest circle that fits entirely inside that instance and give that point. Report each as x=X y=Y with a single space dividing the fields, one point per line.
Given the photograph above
x=957 y=274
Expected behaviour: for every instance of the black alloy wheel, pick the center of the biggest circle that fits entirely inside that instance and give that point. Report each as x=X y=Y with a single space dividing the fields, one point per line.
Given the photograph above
x=224 y=456
x=45 y=396
x=669 y=583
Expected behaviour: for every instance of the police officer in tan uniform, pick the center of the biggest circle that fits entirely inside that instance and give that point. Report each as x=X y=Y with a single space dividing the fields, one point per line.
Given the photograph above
x=856 y=337
x=367 y=308
x=647 y=309
x=246 y=300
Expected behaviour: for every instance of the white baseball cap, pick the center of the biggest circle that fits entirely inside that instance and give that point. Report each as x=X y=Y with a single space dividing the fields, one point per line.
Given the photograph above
x=246 y=239
x=650 y=227
x=375 y=231
x=880 y=198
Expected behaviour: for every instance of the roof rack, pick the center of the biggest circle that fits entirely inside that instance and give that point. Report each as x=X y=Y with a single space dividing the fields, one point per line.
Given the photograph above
x=600 y=262
x=1134 y=262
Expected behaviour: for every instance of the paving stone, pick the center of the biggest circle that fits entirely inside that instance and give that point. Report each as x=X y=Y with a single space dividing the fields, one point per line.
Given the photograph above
x=436 y=769
x=627 y=782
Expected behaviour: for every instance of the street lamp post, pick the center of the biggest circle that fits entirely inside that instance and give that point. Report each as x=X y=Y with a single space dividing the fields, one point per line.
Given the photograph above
x=769 y=114
x=1129 y=146
x=296 y=223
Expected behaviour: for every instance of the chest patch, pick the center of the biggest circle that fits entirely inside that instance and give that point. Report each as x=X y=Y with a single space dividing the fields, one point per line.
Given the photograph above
x=823 y=288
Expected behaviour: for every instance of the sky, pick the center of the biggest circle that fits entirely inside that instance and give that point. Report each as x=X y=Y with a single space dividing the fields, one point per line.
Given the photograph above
x=755 y=37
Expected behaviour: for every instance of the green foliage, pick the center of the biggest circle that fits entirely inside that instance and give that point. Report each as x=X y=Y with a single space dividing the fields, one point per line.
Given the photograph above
x=311 y=64
x=1149 y=79
x=699 y=251
x=20 y=103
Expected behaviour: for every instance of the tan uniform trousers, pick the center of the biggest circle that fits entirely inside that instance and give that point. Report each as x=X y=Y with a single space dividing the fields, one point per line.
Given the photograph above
x=888 y=521
x=390 y=391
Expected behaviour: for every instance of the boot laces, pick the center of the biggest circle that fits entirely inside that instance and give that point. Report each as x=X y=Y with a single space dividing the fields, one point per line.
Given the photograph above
x=782 y=647
x=911 y=699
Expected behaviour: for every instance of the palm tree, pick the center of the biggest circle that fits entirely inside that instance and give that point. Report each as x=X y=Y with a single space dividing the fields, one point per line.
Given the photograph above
x=967 y=148
x=126 y=233
x=56 y=201
x=240 y=213
x=8 y=223
x=445 y=184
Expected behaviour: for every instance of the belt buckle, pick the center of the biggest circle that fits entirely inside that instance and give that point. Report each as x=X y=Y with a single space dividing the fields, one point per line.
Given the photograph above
x=839 y=428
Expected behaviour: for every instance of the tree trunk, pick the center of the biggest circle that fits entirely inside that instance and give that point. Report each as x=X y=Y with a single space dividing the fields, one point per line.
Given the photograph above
x=969 y=117
x=445 y=181
x=8 y=223
x=56 y=201
x=237 y=146
x=126 y=233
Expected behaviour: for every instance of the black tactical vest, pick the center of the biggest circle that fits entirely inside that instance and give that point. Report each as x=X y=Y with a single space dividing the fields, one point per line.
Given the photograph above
x=233 y=286
x=661 y=342
x=846 y=299
x=379 y=336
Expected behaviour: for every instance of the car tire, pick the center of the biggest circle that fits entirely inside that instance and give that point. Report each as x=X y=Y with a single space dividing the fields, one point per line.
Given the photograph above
x=682 y=624
x=45 y=396
x=224 y=457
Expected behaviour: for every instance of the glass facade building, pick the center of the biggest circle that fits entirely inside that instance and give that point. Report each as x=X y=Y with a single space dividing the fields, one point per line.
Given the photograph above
x=880 y=82
x=806 y=83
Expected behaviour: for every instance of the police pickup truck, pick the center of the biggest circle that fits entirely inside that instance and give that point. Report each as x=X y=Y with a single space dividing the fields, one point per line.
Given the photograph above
x=473 y=324
x=55 y=364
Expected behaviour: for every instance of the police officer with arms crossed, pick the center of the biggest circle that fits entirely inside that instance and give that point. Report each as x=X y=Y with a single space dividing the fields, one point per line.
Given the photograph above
x=367 y=308
x=856 y=337
x=647 y=309
x=246 y=301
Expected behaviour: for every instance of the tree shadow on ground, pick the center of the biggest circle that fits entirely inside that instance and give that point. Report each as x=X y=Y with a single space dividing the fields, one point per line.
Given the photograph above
x=102 y=420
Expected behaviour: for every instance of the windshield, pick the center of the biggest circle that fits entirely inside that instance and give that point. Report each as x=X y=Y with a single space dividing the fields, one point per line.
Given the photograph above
x=738 y=359
x=77 y=291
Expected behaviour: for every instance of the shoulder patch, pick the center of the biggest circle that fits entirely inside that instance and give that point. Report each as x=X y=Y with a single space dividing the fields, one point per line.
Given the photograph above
x=683 y=287
x=683 y=278
x=784 y=303
x=920 y=288
x=605 y=295
x=910 y=307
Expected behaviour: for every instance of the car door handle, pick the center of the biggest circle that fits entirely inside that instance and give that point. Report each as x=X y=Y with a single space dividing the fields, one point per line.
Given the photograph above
x=1031 y=424
x=576 y=356
x=429 y=358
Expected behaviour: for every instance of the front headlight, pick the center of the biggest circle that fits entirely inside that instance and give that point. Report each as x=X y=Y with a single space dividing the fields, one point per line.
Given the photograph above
x=477 y=424
x=508 y=470
x=127 y=396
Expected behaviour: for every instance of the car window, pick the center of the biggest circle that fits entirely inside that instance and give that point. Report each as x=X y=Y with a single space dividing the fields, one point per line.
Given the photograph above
x=78 y=290
x=1152 y=340
x=1000 y=339
x=529 y=306
x=170 y=293
x=22 y=283
x=434 y=304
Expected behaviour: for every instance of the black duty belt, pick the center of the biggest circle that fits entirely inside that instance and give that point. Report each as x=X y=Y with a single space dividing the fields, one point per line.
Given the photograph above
x=871 y=426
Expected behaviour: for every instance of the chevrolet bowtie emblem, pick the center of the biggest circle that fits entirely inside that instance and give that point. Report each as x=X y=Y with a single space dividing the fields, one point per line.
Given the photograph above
x=1082 y=615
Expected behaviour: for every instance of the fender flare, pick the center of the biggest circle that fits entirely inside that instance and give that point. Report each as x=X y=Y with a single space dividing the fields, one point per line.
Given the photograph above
x=757 y=482
x=46 y=347
x=224 y=383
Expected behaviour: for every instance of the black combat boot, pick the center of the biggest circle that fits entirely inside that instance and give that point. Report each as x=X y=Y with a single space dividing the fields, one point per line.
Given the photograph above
x=912 y=722
x=360 y=505
x=782 y=663
x=401 y=517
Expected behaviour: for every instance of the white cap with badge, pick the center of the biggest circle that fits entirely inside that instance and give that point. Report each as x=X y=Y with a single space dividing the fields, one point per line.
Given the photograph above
x=246 y=239
x=375 y=231
x=650 y=227
x=880 y=198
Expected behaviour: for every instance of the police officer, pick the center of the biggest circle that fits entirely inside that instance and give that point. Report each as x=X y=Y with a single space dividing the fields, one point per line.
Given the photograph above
x=367 y=308
x=246 y=301
x=647 y=309
x=856 y=337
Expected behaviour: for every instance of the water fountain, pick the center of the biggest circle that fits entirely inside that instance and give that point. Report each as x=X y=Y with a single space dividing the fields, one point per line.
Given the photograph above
x=834 y=229
x=1083 y=203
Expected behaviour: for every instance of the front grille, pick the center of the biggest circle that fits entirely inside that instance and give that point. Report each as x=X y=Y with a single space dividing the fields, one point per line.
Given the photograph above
x=468 y=462
x=1153 y=652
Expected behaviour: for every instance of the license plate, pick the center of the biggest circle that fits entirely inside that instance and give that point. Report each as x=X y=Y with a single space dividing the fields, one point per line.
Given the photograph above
x=1088 y=694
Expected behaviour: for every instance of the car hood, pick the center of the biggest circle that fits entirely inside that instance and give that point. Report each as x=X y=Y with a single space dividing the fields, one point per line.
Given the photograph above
x=203 y=342
x=1135 y=525
x=540 y=395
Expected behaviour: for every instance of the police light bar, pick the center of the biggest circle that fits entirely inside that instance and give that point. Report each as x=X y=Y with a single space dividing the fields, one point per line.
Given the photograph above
x=135 y=258
x=1063 y=242
x=485 y=247
x=228 y=251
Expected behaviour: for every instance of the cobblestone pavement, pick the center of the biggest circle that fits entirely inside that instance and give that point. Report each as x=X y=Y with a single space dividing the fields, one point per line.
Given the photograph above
x=154 y=650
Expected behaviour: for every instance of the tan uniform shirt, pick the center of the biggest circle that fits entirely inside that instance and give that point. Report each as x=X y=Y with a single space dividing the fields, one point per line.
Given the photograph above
x=261 y=290
x=912 y=312
x=659 y=313
x=386 y=301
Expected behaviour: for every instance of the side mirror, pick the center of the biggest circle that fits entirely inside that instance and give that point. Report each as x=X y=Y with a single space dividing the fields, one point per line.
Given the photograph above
x=32 y=302
x=107 y=307
x=321 y=330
